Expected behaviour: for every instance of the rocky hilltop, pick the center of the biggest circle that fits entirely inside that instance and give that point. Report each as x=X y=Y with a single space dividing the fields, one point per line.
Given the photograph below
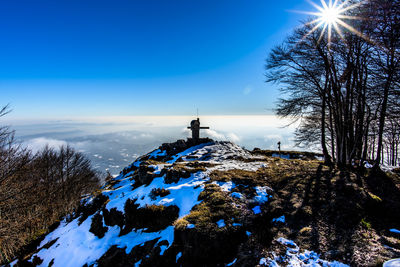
x=217 y=204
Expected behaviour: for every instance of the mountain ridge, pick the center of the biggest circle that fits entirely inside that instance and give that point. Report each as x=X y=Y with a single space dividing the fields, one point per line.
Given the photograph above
x=186 y=204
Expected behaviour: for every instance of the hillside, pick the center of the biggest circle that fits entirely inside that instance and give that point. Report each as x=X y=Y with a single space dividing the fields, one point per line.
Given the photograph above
x=217 y=204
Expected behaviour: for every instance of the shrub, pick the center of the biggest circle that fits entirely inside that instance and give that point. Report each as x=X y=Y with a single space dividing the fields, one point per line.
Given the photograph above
x=152 y=217
x=161 y=192
x=97 y=227
x=37 y=190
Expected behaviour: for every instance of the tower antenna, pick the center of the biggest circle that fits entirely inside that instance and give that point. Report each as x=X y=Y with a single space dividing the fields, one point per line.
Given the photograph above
x=197 y=112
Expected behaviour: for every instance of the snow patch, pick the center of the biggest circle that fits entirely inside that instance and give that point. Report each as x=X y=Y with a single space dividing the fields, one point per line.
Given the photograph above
x=74 y=239
x=392 y=263
x=190 y=226
x=231 y=263
x=184 y=194
x=280 y=219
x=280 y=156
x=237 y=195
x=257 y=210
x=262 y=195
x=157 y=153
x=226 y=186
x=294 y=258
x=221 y=223
x=393 y=230
x=178 y=256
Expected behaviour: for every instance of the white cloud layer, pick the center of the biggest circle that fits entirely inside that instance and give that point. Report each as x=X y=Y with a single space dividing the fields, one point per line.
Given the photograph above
x=39 y=143
x=273 y=137
x=219 y=136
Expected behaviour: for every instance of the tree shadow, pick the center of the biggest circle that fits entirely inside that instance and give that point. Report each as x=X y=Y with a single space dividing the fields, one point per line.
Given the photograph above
x=385 y=213
x=330 y=210
x=334 y=211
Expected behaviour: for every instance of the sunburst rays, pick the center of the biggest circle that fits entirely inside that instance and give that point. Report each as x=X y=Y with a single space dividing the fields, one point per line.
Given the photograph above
x=332 y=16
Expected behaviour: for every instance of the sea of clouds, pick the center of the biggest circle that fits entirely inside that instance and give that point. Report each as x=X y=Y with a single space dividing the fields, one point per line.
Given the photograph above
x=114 y=142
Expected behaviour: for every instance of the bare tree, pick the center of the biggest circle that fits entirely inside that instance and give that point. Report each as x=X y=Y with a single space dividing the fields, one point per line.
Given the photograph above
x=36 y=190
x=342 y=89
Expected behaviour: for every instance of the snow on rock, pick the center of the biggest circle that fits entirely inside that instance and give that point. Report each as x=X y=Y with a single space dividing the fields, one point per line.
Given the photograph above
x=221 y=223
x=220 y=152
x=237 y=195
x=158 y=168
x=257 y=210
x=262 y=195
x=157 y=153
x=294 y=257
x=279 y=219
x=393 y=230
x=226 y=186
x=178 y=256
x=282 y=156
x=231 y=263
x=392 y=263
x=183 y=194
x=190 y=226
x=190 y=151
x=76 y=240
x=73 y=243
x=225 y=155
x=287 y=242
x=263 y=261
x=235 y=164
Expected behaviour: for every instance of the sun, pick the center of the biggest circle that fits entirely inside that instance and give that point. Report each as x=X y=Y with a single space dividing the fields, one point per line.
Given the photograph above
x=332 y=16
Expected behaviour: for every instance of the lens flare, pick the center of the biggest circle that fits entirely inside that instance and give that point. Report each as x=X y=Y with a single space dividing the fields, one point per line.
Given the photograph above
x=331 y=16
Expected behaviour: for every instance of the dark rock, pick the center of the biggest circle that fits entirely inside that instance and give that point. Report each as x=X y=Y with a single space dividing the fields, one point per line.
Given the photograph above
x=174 y=148
x=158 y=192
x=97 y=227
x=49 y=244
x=128 y=169
x=153 y=217
x=203 y=248
x=144 y=174
x=85 y=210
x=113 y=217
x=148 y=253
x=36 y=260
x=115 y=257
x=142 y=251
x=182 y=145
x=174 y=175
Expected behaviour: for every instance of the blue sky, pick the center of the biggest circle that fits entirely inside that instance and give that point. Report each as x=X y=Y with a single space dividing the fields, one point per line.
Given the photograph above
x=140 y=57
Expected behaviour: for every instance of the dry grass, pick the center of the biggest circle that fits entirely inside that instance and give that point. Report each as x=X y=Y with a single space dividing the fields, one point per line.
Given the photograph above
x=215 y=205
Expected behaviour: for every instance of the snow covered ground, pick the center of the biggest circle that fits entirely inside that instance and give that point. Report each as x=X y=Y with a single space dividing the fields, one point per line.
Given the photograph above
x=74 y=245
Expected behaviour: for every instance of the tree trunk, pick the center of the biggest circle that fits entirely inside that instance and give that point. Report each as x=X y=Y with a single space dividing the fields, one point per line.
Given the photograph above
x=327 y=157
